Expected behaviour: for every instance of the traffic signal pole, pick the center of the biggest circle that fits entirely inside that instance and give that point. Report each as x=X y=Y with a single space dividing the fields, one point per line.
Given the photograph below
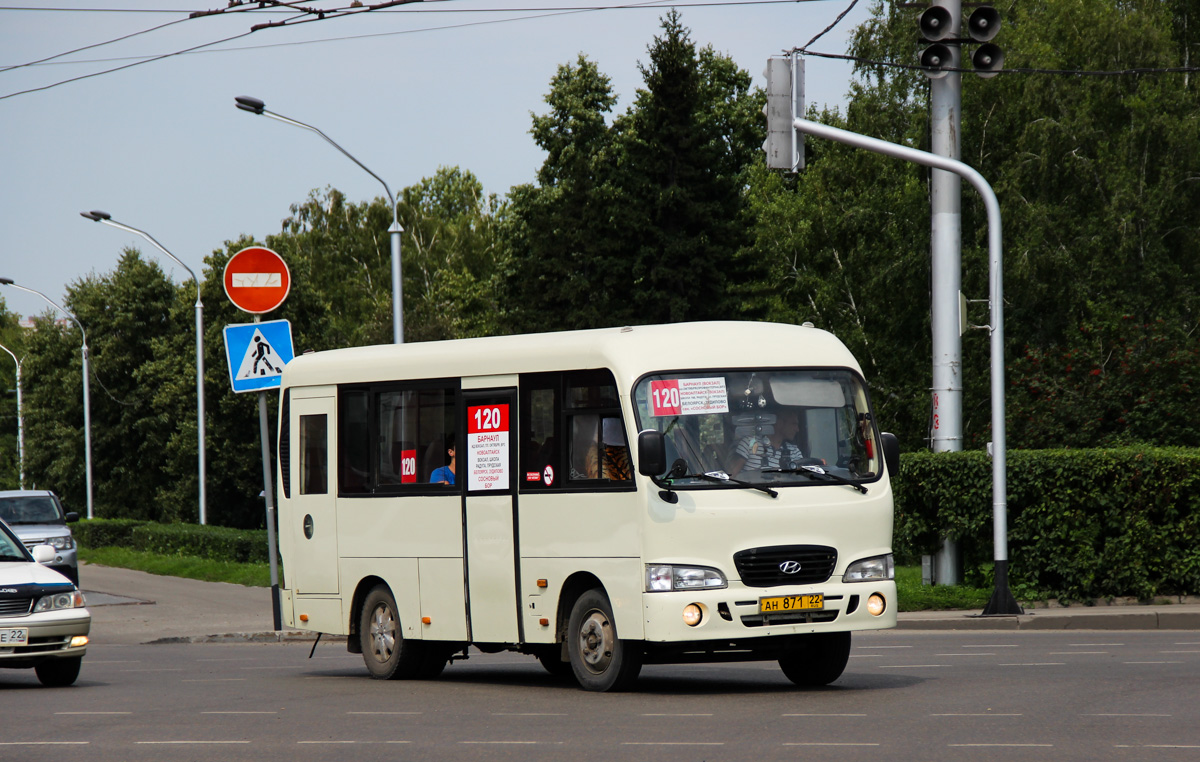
x=945 y=200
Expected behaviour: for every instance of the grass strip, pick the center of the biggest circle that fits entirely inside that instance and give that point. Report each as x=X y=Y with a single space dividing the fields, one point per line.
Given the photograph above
x=189 y=567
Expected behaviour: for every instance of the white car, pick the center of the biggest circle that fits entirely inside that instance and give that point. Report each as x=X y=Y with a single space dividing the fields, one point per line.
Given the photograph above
x=43 y=622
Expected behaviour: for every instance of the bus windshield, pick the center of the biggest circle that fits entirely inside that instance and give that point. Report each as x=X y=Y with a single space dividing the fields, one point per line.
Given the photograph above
x=776 y=426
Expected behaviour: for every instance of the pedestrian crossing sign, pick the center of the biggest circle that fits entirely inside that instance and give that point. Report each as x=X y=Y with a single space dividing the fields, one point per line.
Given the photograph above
x=257 y=353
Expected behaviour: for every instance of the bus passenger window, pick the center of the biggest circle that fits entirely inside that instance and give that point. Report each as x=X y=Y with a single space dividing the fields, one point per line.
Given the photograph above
x=314 y=455
x=354 y=443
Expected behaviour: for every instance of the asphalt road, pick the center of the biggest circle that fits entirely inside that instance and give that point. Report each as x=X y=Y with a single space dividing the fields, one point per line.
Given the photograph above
x=1116 y=695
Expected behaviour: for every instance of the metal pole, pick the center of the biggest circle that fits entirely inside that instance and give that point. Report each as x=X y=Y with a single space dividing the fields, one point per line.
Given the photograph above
x=269 y=496
x=20 y=423
x=87 y=396
x=256 y=106
x=106 y=218
x=945 y=199
x=1002 y=601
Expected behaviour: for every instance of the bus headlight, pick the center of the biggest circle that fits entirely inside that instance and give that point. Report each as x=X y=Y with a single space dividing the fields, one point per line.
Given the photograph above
x=661 y=578
x=871 y=569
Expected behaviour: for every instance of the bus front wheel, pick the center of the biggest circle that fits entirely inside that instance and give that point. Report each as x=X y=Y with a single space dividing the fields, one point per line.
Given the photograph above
x=600 y=660
x=817 y=659
x=386 y=652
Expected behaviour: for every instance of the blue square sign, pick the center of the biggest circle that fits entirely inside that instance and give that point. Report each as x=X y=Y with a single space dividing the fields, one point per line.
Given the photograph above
x=257 y=353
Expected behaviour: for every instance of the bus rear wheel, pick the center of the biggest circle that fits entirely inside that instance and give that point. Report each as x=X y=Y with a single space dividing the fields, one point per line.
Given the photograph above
x=817 y=659
x=386 y=652
x=600 y=660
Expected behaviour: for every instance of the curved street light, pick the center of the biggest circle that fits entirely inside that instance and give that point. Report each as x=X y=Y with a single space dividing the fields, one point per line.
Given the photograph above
x=104 y=217
x=20 y=421
x=256 y=106
x=87 y=394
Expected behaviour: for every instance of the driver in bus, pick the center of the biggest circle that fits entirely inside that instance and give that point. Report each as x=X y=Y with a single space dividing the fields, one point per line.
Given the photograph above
x=775 y=450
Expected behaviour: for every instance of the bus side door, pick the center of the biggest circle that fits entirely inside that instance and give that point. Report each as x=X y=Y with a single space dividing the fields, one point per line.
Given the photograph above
x=490 y=516
x=313 y=567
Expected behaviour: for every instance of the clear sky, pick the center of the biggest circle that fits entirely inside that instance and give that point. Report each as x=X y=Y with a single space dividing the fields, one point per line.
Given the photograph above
x=161 y=146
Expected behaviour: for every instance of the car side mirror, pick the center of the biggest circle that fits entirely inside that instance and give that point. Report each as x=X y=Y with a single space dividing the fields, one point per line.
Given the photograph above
x=72 y=517
x=43 y=554
x=652 y=453
x=891 y=453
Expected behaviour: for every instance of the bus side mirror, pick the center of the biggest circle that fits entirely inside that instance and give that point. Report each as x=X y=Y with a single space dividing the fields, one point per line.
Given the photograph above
x=652 y=453
x=891 y=453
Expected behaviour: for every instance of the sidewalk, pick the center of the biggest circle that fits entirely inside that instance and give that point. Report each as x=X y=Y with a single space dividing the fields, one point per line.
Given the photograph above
x=131 y=607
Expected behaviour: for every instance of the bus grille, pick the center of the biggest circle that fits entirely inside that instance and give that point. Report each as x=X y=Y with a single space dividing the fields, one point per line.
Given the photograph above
x=791 y=617
x=761 y=567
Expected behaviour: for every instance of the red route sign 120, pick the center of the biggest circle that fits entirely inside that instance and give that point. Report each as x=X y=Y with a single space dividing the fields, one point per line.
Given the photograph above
x=257 y=280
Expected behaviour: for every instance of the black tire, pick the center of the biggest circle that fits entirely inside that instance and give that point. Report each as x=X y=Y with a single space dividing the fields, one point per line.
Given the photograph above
x=386 y=652
x=58 y=673
x=551 y=661
x=817 y=659
x=600 y=660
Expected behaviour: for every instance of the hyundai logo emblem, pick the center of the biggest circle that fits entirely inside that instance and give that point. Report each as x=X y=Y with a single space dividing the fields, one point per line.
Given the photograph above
x=789 y=567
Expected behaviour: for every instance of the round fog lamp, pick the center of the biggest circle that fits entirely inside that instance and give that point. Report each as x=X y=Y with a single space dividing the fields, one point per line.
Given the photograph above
x=876 y=604
x=692 y=615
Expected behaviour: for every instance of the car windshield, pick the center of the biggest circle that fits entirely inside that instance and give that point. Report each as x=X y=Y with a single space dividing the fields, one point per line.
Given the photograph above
x=775 y=426
x=30 y=509
x=10 y=549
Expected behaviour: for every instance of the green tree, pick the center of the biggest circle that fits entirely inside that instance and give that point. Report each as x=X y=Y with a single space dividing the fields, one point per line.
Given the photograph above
x=10 y=338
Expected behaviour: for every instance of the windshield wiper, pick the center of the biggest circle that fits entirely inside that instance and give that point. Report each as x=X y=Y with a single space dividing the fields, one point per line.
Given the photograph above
x=816 y=472
x=679 y=471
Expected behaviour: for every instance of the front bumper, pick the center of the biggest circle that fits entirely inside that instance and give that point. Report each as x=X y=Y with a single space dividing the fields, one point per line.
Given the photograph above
x=50 y=635
x=732 y=614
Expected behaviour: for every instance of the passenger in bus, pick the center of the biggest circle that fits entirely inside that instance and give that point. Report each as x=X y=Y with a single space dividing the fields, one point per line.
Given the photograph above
x=775 y=450
x=611 y=460
x=445 y=474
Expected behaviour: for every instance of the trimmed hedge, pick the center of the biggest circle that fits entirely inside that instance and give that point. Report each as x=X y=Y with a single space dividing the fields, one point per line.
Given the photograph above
x=1082 y=524
x=211 y=542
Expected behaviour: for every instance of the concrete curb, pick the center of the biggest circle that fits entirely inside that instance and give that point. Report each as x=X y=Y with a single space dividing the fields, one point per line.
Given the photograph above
x=1051 y=619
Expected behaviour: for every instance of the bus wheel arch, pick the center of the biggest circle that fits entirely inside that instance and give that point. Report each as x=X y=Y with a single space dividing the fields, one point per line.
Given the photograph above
x=365 y=585
x=599 y=657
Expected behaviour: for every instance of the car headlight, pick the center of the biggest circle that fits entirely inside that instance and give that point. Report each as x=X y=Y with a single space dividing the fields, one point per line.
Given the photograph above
x=72 y=599
x=666 y=577
x=61 y=543
x=870 y=569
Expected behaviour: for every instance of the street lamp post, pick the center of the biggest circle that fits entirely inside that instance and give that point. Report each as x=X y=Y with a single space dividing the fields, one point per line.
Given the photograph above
x=20 y=421
x=106 y=218
x=256 y=106
x=87 y=394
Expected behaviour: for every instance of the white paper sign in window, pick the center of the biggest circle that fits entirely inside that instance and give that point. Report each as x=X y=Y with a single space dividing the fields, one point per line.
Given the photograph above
x=487 y=447
x=689 y=396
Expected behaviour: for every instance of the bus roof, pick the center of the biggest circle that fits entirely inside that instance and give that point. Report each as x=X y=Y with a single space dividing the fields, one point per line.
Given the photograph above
x=629 y=351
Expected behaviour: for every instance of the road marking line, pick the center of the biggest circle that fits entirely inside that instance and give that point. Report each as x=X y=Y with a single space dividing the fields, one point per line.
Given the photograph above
x=672 y=743
x=1152 y=662
x=977 y=714
x=178 y=743
x=824 y=715
x=975 y=654
x=998 y=645
x=385 y=713
x=150 y=669
x=233 y=712
x=1036 y=664
x=1073 y=653
x=513 y=743
x=866 y=656
x=665 y=714
x=911 y=666
x=864 y=648
x=1179 y=652
x=216 y=680
x=529 y=714
x=270 y=667
x=93 y=712
x=136 y=661
x=1094 y=645
x=1005 y=745
x=1115 y=714
x=817 y=743
x=311 y=743
x=44 y=743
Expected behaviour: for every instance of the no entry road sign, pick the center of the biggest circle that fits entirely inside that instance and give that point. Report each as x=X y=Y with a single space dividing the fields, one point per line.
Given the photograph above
x=257 y=280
